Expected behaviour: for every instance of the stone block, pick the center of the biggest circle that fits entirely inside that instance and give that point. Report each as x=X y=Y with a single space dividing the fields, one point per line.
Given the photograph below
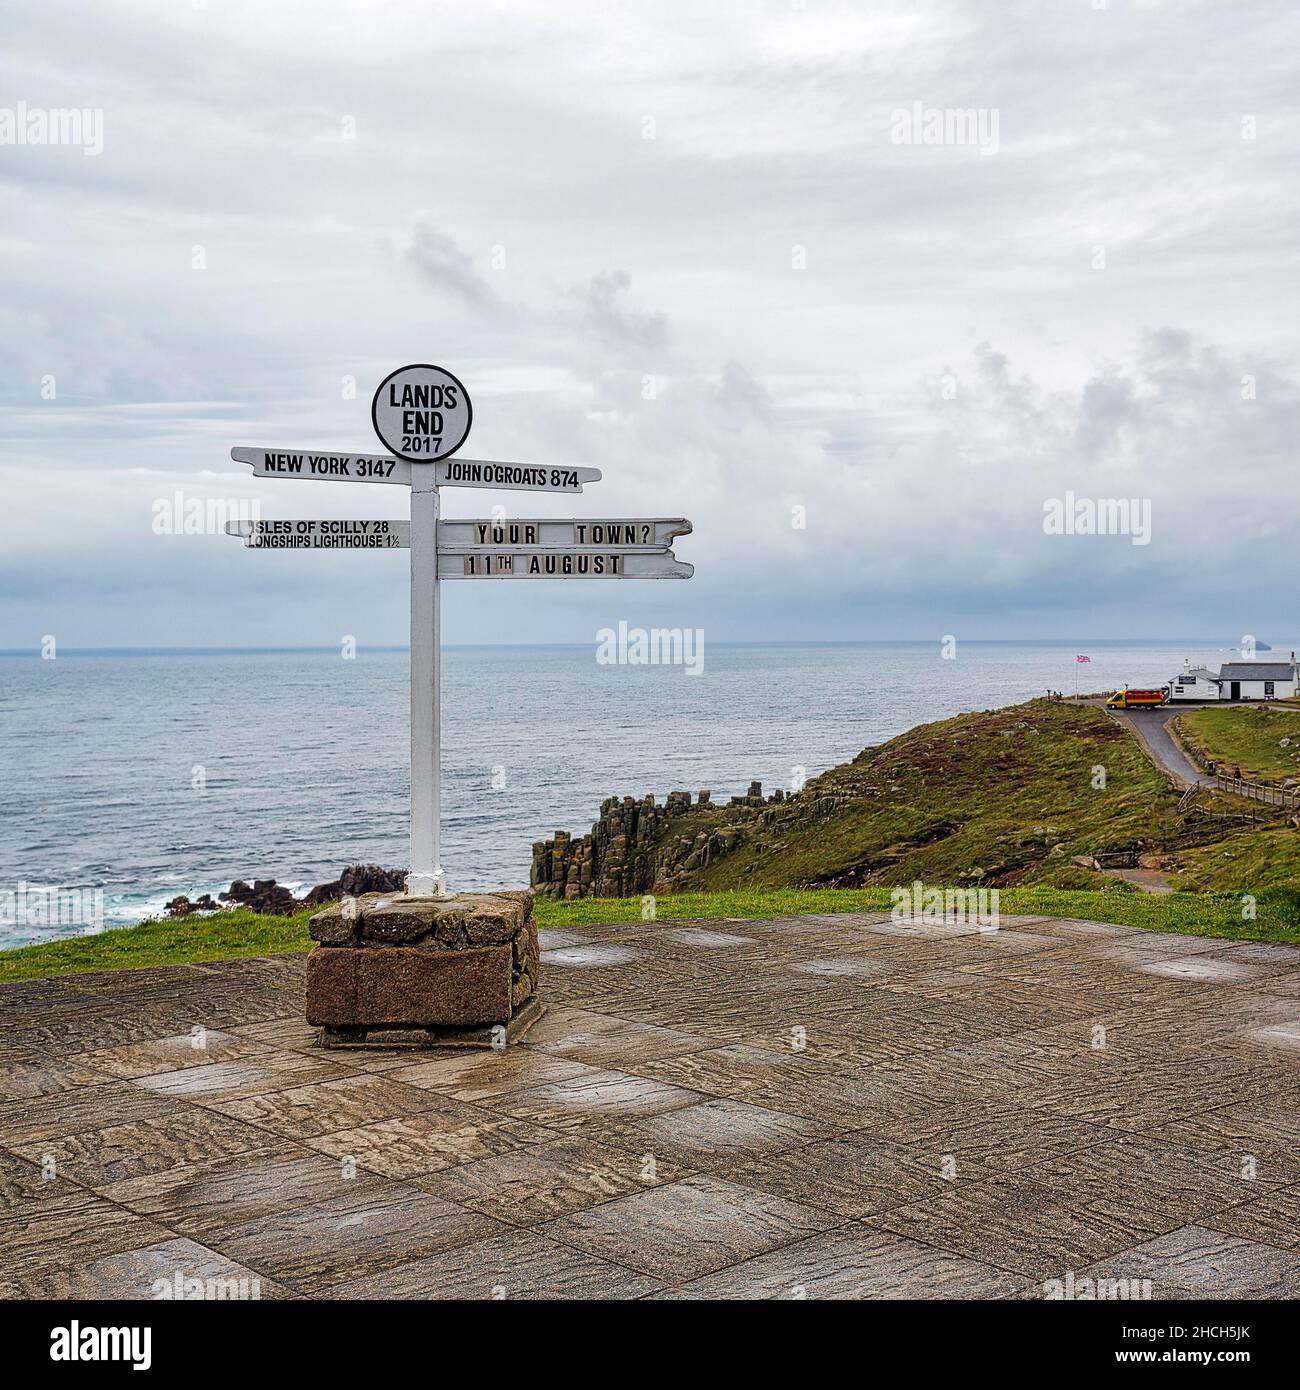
x=455 y=966
x=406 y=986
x=399 y=920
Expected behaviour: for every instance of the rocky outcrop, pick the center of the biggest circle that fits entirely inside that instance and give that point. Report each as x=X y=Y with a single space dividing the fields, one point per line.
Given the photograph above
x=638 y=847
x=182 y=906
x=355 y=880
x=265 y=895
x=268 y=896
x=933 y=801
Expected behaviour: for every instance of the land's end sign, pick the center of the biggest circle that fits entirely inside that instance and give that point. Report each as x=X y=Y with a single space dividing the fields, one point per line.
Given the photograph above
x=422 y=413
x=514 y=477
x=317 y=466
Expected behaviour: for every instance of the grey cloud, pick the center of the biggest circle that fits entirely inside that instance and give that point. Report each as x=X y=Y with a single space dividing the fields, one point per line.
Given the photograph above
x=446 y=267
x=601 y=308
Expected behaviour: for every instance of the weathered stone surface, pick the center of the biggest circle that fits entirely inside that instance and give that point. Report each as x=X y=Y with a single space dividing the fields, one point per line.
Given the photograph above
x=464 y=919
x=336 y=925
x=331 y=928
x=475 y=1036
x=395 y=919
x=405 y=986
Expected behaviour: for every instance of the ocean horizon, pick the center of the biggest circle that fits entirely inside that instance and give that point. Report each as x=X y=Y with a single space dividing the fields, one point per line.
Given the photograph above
x=144 y=773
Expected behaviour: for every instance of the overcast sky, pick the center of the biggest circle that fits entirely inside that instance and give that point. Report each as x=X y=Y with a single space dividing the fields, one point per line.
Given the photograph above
x=706 y=248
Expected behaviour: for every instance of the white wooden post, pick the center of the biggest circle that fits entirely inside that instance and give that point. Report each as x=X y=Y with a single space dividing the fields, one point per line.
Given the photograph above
x=426 y=879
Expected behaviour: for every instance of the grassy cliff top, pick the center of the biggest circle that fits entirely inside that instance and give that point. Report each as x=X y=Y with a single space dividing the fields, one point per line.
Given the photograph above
x=1263 y=743
x=1001 y=798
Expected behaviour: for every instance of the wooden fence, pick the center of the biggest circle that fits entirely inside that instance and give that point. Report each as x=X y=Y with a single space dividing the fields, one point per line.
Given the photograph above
x=1288 y=799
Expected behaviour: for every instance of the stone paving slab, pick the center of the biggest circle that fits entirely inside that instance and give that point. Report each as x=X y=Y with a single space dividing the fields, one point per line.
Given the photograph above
x=822 y=1106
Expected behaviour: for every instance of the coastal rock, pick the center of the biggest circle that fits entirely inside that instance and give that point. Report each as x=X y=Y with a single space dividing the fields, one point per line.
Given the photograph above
x=355 y=881
x=630 y=849
x=881 y=819
x=182 y=906
x=265 y=895
x=268 y=896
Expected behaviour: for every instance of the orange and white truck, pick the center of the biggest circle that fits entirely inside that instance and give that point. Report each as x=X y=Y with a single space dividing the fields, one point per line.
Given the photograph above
x=1125 y=698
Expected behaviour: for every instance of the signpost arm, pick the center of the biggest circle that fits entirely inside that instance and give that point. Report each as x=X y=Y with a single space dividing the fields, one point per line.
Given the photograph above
x=426 y=879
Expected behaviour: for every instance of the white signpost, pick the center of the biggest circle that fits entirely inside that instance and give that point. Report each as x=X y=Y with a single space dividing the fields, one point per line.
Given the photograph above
x=422 y=415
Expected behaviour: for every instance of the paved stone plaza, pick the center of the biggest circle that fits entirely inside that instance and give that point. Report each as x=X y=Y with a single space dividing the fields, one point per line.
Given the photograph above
x=811 y=1107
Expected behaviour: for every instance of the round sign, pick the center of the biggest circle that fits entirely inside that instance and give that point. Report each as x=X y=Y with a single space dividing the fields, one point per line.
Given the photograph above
x=421 y=413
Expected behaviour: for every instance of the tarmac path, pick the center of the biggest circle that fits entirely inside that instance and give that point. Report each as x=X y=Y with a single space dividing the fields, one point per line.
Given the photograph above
x=1149 y=727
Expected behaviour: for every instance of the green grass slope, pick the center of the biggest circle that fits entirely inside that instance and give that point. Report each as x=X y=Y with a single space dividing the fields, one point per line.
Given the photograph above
x=1001 y=798
x=1248 y=738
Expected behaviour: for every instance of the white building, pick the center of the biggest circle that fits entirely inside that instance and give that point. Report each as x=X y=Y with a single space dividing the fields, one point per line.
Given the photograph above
x=1257 y=680
x=1196 y=683
x=1237 y=680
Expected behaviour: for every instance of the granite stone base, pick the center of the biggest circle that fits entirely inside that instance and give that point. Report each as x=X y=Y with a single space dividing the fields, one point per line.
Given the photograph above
x=495 y=1035
x=455 y=971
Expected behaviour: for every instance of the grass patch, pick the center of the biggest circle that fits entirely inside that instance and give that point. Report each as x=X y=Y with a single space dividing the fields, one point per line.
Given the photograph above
x=1267 y=854
x=1246 y=738
x=166 y=941
x=1197 y=914
x=226 y=935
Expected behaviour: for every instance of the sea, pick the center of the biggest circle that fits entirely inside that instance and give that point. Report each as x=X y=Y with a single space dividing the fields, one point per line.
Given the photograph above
x=128 y=777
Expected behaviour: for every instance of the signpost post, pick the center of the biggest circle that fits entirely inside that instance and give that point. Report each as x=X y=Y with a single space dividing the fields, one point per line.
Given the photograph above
x=422 y=415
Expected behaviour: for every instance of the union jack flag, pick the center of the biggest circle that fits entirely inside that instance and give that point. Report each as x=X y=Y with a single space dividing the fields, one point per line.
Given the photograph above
x=1083 y=658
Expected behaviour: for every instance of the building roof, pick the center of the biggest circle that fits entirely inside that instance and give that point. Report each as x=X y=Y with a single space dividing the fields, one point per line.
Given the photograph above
x=1201 y=672
x=1257 y=671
